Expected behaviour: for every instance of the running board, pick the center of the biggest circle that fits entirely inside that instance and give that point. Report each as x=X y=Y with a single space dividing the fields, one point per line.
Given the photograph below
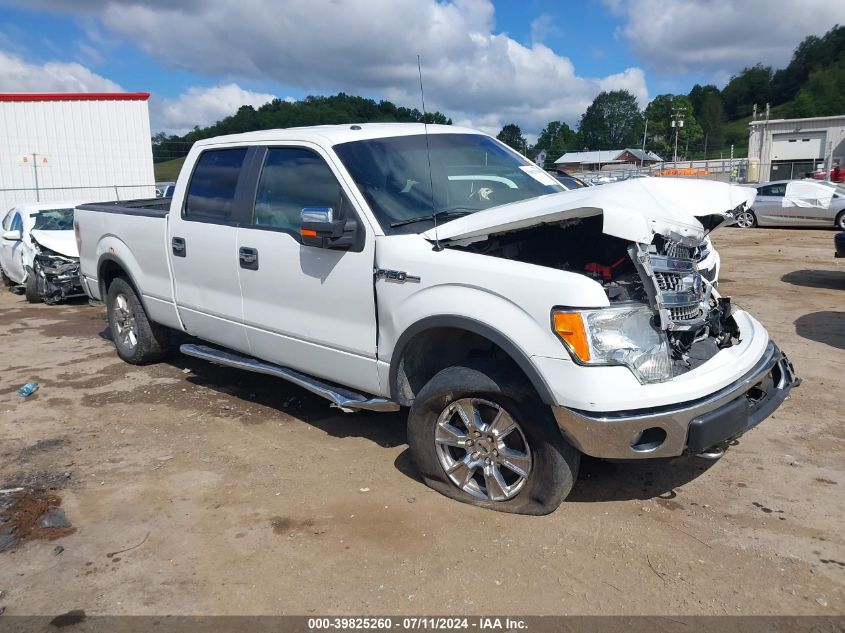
x=341 y=397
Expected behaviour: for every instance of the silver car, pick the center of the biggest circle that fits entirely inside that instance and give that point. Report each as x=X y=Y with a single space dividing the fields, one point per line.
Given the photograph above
x=796 y=203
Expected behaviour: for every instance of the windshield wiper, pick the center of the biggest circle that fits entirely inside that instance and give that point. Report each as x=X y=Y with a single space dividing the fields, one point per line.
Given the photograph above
x=454 y=212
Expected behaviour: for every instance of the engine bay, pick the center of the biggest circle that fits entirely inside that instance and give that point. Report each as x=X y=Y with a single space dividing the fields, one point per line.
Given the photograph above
x=698 y=322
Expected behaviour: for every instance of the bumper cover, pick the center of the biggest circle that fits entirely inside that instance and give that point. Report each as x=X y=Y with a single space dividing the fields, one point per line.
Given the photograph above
x=690 y=427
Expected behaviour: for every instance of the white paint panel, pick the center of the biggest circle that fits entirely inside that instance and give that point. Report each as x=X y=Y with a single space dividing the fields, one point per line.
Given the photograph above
x=798 y=146
x=98 y=150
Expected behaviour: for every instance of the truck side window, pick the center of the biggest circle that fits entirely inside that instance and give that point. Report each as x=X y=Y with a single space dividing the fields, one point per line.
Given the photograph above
x=17 y=223
x=211 y=192
x=294 y=178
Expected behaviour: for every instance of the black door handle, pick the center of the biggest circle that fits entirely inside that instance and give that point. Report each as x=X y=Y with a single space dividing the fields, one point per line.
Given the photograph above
x=178 y=246
x=248 y=257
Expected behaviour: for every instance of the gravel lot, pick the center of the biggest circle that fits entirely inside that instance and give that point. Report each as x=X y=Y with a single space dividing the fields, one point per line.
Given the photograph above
x=241 y=494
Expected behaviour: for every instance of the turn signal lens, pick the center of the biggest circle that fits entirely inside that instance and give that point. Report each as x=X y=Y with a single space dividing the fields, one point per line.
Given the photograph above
x=307 y=233
x=569 y=326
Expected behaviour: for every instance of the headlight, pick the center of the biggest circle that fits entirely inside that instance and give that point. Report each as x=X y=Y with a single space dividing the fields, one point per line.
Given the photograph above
x=616 y=336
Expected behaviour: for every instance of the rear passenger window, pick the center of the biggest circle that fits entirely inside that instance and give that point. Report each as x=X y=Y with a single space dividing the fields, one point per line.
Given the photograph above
x=773 y=190
x=294 y=178
x=211 y=192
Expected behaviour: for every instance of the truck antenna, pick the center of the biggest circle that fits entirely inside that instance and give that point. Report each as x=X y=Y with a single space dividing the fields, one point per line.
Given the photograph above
x=437 y=246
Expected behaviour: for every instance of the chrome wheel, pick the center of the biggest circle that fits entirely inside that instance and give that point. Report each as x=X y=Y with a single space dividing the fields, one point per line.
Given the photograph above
x=124 y=321
x=482 y=449
x=745 y=220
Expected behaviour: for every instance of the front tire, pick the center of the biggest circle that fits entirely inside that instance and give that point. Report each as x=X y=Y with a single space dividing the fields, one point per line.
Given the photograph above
x=840 y=221
x=31 y=288
x=138 y=340
x=746 y=220
x=479 y=434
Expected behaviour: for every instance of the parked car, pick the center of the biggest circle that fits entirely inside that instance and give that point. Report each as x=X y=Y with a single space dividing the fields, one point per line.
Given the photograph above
x=523 y=328
x=38 y=252
x=839 y=244
x=833 y=175
x=165 y=189
x=569 y=182
x=796 y=203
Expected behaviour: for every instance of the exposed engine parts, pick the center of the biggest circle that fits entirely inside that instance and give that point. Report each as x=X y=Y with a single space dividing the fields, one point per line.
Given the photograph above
x=663 y=274
x=57 y=276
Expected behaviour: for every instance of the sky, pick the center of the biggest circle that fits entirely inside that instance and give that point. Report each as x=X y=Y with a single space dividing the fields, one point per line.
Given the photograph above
x=484 y=63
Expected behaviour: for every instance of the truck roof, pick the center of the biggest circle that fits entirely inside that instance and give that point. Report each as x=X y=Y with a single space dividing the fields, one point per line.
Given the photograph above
x=334 y=134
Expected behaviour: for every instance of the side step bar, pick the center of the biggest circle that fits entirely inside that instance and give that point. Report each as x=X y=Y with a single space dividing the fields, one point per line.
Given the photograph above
x=343 y=398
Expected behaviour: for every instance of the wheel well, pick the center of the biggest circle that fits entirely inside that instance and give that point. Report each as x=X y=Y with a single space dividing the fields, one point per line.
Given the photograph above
x=436 y=348
x=109 y=271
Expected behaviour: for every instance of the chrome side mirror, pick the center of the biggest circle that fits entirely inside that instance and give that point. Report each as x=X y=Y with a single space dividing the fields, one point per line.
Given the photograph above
x=319 y=228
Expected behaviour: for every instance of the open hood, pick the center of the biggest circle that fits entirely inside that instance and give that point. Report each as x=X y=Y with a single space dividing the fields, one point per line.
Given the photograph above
x=62 y=242
x=635 y=210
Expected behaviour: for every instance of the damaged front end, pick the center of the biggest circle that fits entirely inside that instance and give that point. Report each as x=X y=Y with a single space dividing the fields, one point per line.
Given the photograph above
x=56 y=275
x=664 y=317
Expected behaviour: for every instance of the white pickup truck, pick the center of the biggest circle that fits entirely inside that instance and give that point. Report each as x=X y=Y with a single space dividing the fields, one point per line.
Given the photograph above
x=392 y=265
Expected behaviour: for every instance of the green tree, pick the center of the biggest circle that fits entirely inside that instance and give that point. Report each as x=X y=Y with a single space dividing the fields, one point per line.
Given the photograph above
x=556 y=138
x=752 y=85
x=711 y=117
x=312 y=110
x=697 y=95
x=511 y=135
x=802 y=106
x=613 y=120
x=661 y=134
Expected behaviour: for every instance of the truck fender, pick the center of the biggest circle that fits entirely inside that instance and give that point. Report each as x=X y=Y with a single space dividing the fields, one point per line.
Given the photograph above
x=476 y=327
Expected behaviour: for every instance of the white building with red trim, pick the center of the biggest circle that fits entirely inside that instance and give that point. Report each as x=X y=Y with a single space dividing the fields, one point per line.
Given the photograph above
x=88 y=147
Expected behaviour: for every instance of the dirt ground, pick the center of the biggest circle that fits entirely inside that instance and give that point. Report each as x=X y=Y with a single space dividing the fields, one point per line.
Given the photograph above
x=193 y=489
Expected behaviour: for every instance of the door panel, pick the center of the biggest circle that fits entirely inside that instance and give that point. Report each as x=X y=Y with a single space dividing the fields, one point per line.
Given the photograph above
x=13 y=252
x=307 y=308
x=204 y=252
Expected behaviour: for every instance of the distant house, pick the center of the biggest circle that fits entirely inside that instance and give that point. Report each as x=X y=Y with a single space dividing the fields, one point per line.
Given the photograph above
x=610 y=159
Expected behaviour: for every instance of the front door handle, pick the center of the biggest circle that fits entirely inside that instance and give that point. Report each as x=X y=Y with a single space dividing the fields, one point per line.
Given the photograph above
x=248 y=257
x=178 y=246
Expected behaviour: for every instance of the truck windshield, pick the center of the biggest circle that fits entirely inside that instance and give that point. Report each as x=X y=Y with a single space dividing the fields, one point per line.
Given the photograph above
x=54 y=220
x=468 y=173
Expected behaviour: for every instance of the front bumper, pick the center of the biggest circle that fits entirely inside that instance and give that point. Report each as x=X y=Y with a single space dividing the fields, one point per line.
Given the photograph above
x=690 y=427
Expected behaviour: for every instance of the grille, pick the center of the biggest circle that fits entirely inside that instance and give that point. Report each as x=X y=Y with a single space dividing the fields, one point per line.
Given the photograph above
x=686 y=313
x=677 y=291
x=666 y=281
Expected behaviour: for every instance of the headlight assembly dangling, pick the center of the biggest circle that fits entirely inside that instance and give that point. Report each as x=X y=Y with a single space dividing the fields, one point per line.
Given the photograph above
x=616 y=336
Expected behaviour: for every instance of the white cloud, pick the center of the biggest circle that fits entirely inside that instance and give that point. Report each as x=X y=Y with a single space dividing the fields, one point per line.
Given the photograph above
x=720 y=37
x=367 y=47
x=541 y=27
x=17 y=75
x=201 y=106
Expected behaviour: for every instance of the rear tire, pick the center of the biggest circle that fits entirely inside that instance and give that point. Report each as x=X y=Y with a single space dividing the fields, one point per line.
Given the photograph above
x=137 y=339
x=31 y=288
x=510 y=427
x=840 y=221
x=746 y=220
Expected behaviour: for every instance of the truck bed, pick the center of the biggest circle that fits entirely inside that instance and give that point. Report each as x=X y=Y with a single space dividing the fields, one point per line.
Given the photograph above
x=134 y=233
x=148 y=207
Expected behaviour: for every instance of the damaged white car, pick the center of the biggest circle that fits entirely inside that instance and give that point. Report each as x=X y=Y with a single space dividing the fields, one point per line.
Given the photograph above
x=393 y=265
x=38 y=252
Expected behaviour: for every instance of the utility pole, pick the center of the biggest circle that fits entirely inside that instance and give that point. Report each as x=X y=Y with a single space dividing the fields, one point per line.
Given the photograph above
x=645 y=132
x=677 y=123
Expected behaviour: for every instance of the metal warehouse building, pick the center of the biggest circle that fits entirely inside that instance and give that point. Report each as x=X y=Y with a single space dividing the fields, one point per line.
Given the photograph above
x=790 y=148
x=85 y=147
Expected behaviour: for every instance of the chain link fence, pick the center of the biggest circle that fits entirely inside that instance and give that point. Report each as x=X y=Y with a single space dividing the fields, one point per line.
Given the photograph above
x=79 y=194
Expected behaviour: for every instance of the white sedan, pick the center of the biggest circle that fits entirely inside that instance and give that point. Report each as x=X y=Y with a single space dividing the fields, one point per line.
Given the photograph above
x=38 y=252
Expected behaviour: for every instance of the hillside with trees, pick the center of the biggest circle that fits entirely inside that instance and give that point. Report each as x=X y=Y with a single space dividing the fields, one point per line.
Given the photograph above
x=339 y=108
